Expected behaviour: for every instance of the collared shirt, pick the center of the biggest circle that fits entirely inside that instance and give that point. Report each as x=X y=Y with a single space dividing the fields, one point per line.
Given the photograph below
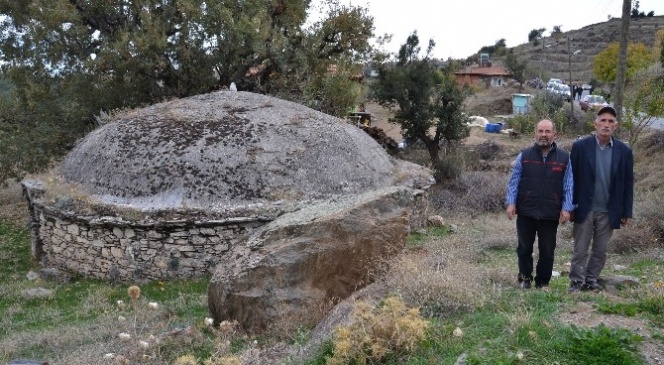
x=568 y=185
x=604 y=147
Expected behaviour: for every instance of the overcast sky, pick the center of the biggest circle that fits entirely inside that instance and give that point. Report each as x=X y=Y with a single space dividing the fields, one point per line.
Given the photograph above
x=461 y=28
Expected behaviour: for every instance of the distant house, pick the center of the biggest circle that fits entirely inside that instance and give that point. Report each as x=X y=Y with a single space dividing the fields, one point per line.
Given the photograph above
x=493 y=75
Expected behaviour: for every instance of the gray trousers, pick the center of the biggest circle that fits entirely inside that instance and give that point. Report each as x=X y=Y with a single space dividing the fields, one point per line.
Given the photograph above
x=586 y=266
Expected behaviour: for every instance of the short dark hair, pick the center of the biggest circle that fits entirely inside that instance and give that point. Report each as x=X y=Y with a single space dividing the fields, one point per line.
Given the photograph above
x=608 y=109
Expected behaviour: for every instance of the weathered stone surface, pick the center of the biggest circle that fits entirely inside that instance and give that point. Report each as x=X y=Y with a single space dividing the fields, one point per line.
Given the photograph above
x=223 y=151
x=618 y=282
x=309 y=259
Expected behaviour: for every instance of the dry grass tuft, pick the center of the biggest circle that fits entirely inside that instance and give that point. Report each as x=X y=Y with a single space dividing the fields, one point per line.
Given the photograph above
x=13 y=207
x=377 y=331
x=442 y=278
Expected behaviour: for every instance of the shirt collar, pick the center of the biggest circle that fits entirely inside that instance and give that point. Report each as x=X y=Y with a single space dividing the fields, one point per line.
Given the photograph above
x=609 y=145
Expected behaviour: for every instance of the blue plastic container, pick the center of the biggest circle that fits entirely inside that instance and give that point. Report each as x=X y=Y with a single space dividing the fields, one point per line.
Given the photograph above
x=493 y=128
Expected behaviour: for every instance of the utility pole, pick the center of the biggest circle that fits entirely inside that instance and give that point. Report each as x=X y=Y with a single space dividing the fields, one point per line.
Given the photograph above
x=622 y=58
x=569 y=63
x=542 y=61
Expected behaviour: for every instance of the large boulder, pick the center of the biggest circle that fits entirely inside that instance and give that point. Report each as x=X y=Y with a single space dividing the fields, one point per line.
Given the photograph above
x=296 y=267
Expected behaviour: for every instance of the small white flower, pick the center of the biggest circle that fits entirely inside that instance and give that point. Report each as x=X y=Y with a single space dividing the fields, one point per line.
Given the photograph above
x=110 y=355
x=120 y=303
x=457 y=332
x=121 y=318
x=124 y=336
x=209 y=321
x=520 y=356
x=153 y=305
x=144 y=344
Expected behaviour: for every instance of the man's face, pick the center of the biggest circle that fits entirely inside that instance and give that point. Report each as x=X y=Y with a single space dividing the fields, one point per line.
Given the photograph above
x=605 y=124
x=544 y=133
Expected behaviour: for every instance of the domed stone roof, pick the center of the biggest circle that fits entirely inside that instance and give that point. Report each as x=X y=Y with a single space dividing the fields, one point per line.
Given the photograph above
x=224 y=151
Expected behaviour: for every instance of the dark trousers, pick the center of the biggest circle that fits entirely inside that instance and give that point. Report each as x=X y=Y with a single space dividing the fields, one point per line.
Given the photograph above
x=545 y=230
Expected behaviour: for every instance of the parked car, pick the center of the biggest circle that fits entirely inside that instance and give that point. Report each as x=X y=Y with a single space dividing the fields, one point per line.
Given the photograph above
x=560 y=89
x=592 y=102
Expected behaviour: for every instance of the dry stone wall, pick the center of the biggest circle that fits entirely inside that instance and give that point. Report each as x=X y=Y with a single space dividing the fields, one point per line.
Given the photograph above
x=125 y=251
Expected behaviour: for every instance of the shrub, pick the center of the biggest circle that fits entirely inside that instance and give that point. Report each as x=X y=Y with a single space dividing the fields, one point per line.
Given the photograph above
x=447 y=167
x=377 y=331
x=647 y=229
x=473 y=192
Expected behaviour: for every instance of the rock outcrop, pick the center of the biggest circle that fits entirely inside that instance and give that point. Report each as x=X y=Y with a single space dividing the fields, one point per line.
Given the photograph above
x=293 y=269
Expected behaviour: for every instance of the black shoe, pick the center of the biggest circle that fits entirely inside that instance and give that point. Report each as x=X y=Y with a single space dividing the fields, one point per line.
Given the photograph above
x=543 y=287
x=524 y=284
x=575 y=287
x=592 y=286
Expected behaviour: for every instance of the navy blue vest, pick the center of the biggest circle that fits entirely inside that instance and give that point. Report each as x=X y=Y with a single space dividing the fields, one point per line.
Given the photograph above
x=540 y=193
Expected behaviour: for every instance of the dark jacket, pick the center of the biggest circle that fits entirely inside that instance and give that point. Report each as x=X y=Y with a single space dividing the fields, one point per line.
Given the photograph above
x=540 y=193
x=621 y=186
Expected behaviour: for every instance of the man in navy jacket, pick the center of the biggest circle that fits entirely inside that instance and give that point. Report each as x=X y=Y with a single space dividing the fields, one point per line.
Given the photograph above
x=603 y=170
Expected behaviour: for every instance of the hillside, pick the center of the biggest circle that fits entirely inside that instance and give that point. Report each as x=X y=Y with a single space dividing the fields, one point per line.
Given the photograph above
x=588 y=41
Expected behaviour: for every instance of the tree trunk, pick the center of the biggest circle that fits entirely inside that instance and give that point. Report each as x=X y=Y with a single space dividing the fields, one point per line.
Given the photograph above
x=622 y=58
x=433 y=147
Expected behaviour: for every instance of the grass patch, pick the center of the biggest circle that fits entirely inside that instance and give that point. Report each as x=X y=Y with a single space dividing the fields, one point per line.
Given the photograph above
x=14 y=252
x=419 y=237
x=79 y=315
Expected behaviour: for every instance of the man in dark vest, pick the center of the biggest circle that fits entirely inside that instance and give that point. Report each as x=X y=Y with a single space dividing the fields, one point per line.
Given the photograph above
x=540 y=192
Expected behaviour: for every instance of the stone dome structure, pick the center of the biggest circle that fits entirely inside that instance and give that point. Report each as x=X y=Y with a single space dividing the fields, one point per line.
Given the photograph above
x=222 y=152
x=170 y=189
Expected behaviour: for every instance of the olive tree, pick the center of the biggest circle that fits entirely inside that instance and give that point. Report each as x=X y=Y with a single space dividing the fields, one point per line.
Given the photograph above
x=67 y=60
x=427 y=102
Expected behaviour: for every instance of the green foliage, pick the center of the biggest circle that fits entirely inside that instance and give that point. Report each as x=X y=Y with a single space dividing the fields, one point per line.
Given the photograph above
x=322 y=354
x=623 y=309
x=426 y=98
x=516 y=67
x=605 y=64
x=68 y=61
x=644 y=103
x=542 y=106
x=499 y=48
x=603 y=345
x=14 y=252
x=535 y=35
x=332 y=93
x=417 y=238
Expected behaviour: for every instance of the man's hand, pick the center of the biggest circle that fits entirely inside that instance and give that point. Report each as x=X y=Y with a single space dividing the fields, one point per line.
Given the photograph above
x=624 y=221
x=564 y=216
x=511 y=211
